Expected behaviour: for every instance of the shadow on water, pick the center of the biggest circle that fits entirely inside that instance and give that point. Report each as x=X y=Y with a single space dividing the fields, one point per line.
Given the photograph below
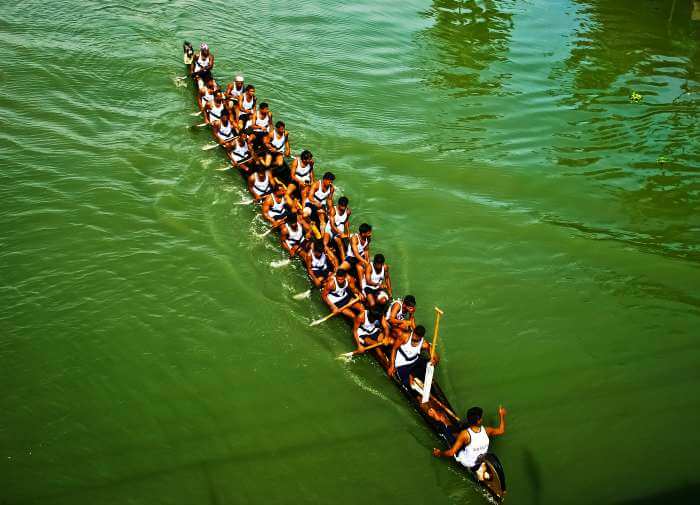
x=680 y=496
x=534 y=474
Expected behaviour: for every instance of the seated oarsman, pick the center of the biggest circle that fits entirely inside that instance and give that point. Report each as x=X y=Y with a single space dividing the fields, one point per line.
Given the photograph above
x=339 y=290
x=376 y=279
x=214 y=109
x=233 y=91
x=260 y=183
x=319 y=198
x=206 y=93
x=224 y=132
x=405 y=360
x=400 y=316
x=245 y=108
x=472 y=443
x=203 y=62
x=274 y=208
x=338 y=225
x=241 y=154
x=357 y=252
x=188 y=54
x=370 y=328
x=276 y=149
x=320 y=263
x=293 y=237
x=302 y=173
x=262 y=124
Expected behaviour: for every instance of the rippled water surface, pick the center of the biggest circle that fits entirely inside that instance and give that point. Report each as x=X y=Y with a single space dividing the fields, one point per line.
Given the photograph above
x=150 y=354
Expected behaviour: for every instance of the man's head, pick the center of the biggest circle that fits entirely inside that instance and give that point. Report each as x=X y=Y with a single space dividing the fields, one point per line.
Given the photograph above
x=328 y=179
x=238 y=80
x=306 y=156
x=318 y=247
x=474 y=416
x=365 y=230
x=264 y=108
x=409 y=303
x=378 y=260
x=279 y=126
x=250 y=89
x=343 y=203
x=204 y=49
x=340 y=274
x=279 y=190
x=292 y=220
x=418 y=333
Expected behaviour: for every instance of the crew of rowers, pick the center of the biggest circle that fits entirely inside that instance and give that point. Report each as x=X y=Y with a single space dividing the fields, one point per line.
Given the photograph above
x=312 y=225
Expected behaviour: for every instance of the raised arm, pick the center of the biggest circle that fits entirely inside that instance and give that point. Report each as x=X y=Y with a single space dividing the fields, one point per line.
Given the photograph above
x=501 y=428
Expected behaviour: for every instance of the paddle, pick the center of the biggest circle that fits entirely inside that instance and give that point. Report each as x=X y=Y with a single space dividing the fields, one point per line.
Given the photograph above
x=284 y=220
x=303 y=295
x=201 y=125
x=418 y=386
x=334 y=313
x=358 y=351
x=430 y=368
x=198 y=113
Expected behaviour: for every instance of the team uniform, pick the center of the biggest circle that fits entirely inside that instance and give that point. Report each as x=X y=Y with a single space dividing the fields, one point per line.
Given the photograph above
x=262 y=188
x=361 y=247
x=369 y=329
x=407 y=357
x=470 y=455
x=376 y=280
x=339 y=220
x=340 y=296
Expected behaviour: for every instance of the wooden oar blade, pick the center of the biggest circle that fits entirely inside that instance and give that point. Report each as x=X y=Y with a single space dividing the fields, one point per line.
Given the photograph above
x=428 y=382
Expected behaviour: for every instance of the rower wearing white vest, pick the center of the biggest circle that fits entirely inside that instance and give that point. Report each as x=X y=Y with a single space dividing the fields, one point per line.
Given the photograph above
x=214 y=109
x=319 y=198
x=405 y=356
x=357 y=252
x=370 y=327
x=472 y=443
x=233 y=91
x=294 y=237
x=206 y=93
x=203 y=62
x=338 y=292
x=303 y=171
x=260 y=183
x=274 y=208
x=223 y=132
x=276 y=148
x=262 y=120
x=246 y=103
x=241 y=155
x=375 y=279
x=338 y=225
x=400 y=316
x=320 y=263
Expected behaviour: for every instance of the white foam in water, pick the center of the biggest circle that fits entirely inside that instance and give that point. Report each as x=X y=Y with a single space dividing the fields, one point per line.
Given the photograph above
x=280 y=263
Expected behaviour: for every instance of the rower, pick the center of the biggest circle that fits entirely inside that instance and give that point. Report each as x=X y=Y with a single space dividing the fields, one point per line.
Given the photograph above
x=223 y=131
x=370 y=327
x=338 y=292
x=320 y=263
x=406 y=358
x=302 y=172
x=262 y=122
x=293 y=238
x=357 y=253
x=203 y=62
x=206 y=93
x=233 y=91
x=277 y=148
x=319 y=198
x=375 y=279
x=472 y=444
x=400 y=316
x=260 y=183
x=274 y=208
x=214 y=109
x=241 y=155
x=338 y=225
x=246 y=104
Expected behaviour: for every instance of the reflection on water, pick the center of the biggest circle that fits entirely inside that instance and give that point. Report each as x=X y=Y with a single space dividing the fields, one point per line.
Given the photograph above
x=467 y=37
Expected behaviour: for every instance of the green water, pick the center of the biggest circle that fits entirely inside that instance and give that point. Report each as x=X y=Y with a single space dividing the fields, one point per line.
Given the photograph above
x=150 y=354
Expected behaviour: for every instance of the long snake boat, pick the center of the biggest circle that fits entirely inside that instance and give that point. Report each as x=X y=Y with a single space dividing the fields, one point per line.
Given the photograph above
x=437 y=411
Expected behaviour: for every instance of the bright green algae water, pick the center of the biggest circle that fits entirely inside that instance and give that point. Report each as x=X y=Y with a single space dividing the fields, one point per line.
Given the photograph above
x=148 y=352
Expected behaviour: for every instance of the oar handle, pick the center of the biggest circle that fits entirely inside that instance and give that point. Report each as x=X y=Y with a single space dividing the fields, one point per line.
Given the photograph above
x=358 y=351
x=436 y=335
x=335 y=312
